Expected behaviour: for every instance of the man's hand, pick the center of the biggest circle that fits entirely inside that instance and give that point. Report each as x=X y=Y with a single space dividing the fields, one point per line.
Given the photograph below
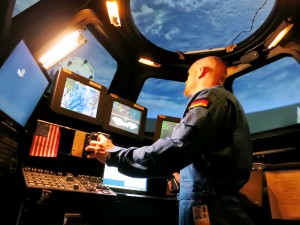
x=99 y=148
x=173 y=182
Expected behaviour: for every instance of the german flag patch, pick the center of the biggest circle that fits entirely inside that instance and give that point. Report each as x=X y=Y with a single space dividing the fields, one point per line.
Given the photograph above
x=199 y=102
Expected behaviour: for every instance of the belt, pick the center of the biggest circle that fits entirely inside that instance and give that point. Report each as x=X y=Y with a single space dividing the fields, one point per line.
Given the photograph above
x=196 y=195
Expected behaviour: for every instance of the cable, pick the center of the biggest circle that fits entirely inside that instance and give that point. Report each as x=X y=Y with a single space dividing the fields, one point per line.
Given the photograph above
x=251 y=22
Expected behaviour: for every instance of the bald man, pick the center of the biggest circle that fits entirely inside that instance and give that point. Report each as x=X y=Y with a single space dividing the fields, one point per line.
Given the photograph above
x=211 y=147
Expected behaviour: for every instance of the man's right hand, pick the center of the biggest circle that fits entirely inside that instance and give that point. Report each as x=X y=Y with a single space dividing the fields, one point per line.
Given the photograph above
x=99 y=148
x=173 y=182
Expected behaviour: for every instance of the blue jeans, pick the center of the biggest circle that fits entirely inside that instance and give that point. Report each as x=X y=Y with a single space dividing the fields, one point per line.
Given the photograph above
x=222 y=209
x=186 y=212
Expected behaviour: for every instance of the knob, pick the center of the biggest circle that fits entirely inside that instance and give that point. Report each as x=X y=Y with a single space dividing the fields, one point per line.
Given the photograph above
x=70 y=177
x=76 y=186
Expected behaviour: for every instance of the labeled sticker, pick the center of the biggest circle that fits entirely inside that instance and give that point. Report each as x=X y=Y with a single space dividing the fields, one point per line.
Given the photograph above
x=200 y=214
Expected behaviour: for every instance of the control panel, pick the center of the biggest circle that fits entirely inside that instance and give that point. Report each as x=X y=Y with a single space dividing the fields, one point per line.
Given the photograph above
x=8 y=148
x=46 y=179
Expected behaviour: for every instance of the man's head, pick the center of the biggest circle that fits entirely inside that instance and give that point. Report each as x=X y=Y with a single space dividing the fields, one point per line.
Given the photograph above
x=205 y=73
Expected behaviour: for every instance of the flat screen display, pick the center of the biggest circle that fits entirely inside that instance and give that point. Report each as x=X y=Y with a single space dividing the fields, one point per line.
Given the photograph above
x=22 y=84
x=164 y=126
x=122 y=183
x=78 y=97
x=125 y=117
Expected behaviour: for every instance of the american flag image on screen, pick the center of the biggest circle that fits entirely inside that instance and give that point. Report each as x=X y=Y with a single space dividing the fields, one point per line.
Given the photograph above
x=45 y=140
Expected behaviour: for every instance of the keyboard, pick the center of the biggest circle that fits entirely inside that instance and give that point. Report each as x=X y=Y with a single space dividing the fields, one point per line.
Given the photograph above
x=46 y=179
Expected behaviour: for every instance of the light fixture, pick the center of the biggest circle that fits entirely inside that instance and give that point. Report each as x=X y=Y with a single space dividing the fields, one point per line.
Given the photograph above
x=204 y=51
x=278 y=34
x=64 y=47
x=149 y=62
x=113 y=13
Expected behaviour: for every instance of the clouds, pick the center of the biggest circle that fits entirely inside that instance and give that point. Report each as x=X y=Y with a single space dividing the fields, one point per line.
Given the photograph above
x=159 y=104
x=143 y=11
x=190 y=25
x=163 y=98
x=272 y=86
x=181 y=5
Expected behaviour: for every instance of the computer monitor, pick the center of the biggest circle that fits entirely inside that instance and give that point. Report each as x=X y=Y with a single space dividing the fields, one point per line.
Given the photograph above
x=78 y=97
x=124 y=117
x=121 y=183
x=22 y=84
x=164 y=126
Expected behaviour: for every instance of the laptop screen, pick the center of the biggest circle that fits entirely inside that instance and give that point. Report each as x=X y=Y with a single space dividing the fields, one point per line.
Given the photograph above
x=120 y=183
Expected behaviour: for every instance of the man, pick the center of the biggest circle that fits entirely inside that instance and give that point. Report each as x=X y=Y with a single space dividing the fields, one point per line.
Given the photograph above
x=211 y=147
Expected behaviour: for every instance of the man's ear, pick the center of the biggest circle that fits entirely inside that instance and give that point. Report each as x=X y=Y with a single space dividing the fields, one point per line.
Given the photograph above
x=202 y=72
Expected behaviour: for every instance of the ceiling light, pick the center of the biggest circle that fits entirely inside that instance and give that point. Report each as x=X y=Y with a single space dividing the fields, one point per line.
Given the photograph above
x=149 y=62
x=64 y=47
x=278 y=34
x=113 y=13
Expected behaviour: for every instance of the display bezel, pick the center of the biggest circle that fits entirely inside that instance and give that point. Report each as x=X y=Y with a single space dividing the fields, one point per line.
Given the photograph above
x=111 y=98
x=57 y=95
x=159 y=124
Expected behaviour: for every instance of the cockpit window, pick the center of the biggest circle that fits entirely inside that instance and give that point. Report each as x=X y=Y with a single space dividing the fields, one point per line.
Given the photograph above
x=163 y=97
x=270 y=95
x=21 y=5
x=91 y=60
x=184 y=25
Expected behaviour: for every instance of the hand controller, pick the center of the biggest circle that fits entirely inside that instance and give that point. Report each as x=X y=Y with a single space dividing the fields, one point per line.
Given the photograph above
x=175 y=184
x=89 y=137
